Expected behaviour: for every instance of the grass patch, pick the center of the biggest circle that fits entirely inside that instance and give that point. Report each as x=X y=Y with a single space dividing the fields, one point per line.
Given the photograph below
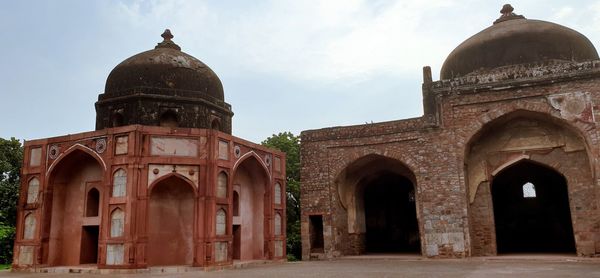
x=4 y=266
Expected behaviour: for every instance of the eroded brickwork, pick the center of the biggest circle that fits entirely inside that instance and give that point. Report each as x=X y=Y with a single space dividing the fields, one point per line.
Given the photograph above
x=456 y=218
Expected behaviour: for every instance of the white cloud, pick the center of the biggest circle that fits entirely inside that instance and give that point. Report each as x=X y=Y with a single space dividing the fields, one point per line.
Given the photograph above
x=322 y=41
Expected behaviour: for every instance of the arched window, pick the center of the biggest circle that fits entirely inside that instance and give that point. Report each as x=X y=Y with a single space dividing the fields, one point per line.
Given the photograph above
x=33 y=190
x=222 y=185
x=216 y=125
x=117 y=223
x=119 y=183
x=30 y=224
x=277 y=224
x=92 y=203
x=221 y=222
x=236 y=203
x=277 y=194
x=529 y=190
x=118 y=120
x=169 y=119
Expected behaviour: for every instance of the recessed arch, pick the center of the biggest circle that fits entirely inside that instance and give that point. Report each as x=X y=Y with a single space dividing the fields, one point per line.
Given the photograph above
x=92 y=203
x=171 y=176
x=169 y=118
x=70 y=178
x=171 y=218
x=249 y=155
x=33 y=190
x=74 y=149
x=252 y=179
x=30 y=225
x=117 y=222
x=119 y=183
x=523 y=223
x=516 y=138
x=379 y=196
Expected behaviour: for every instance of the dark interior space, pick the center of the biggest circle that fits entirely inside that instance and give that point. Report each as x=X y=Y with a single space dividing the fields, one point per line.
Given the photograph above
x=316 y=233
x=89 y=245
x=237 y=240
x=92 y=203
x=390 y=215
x=531 y=210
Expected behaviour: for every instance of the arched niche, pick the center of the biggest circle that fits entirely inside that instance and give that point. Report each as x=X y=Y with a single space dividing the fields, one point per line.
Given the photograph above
x=119 y=184
x=67 y=241
x=169 y=118
x=171 y=214
x=92 y=203
x=252 y=178
x=515 y=138
x=33 y=190
x=378 y=196
x=117 y=223
x=221 y=190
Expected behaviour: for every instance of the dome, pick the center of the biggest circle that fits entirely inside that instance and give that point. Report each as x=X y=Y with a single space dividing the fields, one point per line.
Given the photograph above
x=165 y=67
x=513 y=39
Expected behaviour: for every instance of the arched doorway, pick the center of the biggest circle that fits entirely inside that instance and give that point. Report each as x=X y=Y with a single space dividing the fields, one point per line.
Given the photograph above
x=390 y=215
x=171 y=222
x=250 y=180
x=531 y=210
x=378 y=194
x=71 y=240
x=506 y=157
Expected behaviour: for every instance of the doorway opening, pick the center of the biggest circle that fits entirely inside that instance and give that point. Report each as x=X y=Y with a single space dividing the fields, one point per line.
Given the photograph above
x=531 y=210
x=391 y=216
x=316 y=234
x=89 y=245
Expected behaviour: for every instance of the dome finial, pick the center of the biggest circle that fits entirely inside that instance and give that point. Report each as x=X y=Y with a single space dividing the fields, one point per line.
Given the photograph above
x=167 y=35
x=167 y=42
x=507 y=14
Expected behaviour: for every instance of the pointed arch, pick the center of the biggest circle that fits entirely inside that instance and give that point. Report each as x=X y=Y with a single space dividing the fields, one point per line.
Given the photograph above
x=70 y=151
x=33 y=190
x=221 y=222
x=173 y=176
x=250 y=155
x=119 y=183
x=117 y=222
x=30 y=224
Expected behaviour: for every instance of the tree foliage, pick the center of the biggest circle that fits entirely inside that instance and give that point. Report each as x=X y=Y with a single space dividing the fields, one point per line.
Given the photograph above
x=288 y=143
x=11 y=155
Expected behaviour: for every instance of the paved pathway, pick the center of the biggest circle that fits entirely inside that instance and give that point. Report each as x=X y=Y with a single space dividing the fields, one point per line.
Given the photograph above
x=389 y=267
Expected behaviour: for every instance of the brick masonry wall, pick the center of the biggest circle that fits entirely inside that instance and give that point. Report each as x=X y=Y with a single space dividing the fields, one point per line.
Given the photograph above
x=434 y=147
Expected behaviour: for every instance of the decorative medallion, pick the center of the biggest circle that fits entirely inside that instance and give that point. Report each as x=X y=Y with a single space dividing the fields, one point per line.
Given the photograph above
x=53 y=152
x=101 y=145
x=237 y=151
x=268 y=160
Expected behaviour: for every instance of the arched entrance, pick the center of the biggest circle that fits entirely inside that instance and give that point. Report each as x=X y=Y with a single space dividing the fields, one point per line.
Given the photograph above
x=250 y=181
x=378 y=194
x=171 y=222
x=531 y=210
x=73 y=185
x=390 y=215
x=515 y=157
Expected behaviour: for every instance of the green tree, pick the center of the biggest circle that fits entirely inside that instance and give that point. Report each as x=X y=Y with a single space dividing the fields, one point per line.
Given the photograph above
x=11 y=155
x=288 y=143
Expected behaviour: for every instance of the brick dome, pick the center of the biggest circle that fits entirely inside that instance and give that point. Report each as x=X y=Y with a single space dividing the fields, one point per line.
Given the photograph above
x=513 y=39
x=165 y=67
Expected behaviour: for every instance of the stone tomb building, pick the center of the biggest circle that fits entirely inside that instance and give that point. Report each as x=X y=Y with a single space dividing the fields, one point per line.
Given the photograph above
x=160 y=182
x=504 y=159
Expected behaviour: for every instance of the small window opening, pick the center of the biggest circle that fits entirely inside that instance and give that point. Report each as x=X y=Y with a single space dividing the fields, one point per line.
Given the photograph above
x=216 y=125
x=169 y=119
x=529 y=190
x=236 y=204
x=93 y=202
x=118 y=120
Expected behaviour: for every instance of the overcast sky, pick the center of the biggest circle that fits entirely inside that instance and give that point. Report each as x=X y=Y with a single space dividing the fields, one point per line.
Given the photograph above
x=285 y=65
